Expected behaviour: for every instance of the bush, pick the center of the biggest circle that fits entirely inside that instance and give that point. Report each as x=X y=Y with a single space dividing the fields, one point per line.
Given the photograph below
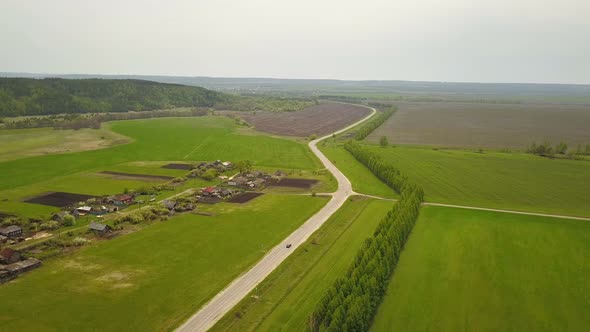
x=49 y=225
x=80 y=241
x=68 y=220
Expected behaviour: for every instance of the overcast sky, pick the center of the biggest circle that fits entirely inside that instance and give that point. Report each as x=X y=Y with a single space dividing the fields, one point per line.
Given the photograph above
x=543 y=41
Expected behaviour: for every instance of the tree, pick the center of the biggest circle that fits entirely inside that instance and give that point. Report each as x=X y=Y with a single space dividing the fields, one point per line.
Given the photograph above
x=383 y=141
x=561 y=148
x=69 y=220
x=209 y=174
x=244 y=165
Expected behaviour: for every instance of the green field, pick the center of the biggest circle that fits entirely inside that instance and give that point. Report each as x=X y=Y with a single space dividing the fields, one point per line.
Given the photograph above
x=284 y=300
x=363 y=181
x=465 y=270
x=22 y=143
x=496 y=180
x=155 y=142
x=153 y=279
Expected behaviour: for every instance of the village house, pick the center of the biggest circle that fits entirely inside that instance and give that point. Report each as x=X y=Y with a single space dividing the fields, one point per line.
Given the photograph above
x=11 y=231
x=21 y=266
x=210 y=192
x=124 y=199
x=98 y=228
x=9 y=256
x=83 y=210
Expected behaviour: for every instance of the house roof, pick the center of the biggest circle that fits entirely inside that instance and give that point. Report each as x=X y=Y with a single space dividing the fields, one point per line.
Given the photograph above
x=8 y=252
x=84 y=208
x=123 y=197
x=169 y=204
x=98 y=226
x=9 y=229
x=209 y=190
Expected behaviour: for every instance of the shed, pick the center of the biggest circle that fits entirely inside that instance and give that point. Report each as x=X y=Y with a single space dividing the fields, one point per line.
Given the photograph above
x=11 y=231
x=99 y=228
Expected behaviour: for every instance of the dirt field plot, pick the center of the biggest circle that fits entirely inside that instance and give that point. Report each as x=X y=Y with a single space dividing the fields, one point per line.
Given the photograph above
x=485 y=125
x=137 y=177
x=295 y=183
x=320 y=119
x=58 y=199
x=178 y=166
x=245 y=197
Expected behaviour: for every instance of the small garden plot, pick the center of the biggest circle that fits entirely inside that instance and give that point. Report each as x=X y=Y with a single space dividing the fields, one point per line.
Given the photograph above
x=178 y=166
x=245 y=197
x=138 y=177
x=296 y=183
x=58 y=199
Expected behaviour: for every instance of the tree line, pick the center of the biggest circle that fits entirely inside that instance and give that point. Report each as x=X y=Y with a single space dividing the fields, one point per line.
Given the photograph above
x=51 y=96
x=352 y=301
x=547 y=150
x=374 y=123
x=385 y=171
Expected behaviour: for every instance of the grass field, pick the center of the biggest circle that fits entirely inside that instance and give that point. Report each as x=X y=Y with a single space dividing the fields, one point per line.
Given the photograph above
x=363 y=181
x=485 y=125
x=465 y=270
x=284 y=300
x=496 y=180
x=23 y=143
x=155 y=142
x=153 y=279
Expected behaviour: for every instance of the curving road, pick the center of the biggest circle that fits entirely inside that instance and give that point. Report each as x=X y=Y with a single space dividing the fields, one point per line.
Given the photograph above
x=217 y=307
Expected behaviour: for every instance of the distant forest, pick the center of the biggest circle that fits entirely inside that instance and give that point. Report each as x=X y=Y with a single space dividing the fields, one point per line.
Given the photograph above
x=24 y=96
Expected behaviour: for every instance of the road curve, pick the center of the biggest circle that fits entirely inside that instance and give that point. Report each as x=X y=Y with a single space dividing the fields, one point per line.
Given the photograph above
x=217 y=307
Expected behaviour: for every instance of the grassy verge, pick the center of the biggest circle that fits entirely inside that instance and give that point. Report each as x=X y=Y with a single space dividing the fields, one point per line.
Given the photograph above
x=465 y=270
x=363 y=181
x=285 y=299
x=153 y=279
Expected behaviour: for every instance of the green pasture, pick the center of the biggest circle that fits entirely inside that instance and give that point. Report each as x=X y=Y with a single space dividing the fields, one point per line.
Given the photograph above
x=466 y=270
x=285 y=299
x=496 y=180
x=154 y=279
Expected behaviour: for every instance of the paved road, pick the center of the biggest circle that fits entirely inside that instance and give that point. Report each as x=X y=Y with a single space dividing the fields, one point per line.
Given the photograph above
x=215 y=309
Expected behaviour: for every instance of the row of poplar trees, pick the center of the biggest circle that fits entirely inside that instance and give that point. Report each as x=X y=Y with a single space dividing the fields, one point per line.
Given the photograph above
x=351 y=302
x=368 y=128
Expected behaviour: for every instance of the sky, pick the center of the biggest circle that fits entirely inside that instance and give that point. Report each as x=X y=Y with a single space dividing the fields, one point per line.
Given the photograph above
x=529 y=41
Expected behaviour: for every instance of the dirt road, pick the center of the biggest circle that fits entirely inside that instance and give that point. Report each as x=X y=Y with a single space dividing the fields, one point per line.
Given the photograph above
x=217 y=307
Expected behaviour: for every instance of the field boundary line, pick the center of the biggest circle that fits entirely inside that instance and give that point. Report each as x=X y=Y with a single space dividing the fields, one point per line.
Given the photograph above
x=507 y=211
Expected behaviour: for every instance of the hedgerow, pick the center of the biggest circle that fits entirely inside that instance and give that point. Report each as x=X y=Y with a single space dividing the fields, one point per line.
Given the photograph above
x=351 y=302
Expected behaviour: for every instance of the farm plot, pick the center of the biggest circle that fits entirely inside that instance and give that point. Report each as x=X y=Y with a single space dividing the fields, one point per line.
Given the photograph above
x=154 y=279
x=186 y=167
x=245 y=197
x=137 y=177
x=485 y=125
x=58 y=199
x=465 y=270
x=320 y=119
x=295 y=183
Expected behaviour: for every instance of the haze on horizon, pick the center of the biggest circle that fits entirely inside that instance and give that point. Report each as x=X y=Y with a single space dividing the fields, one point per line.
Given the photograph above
x=532 y=41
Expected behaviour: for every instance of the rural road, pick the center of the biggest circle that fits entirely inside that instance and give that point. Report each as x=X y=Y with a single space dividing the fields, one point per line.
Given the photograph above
x=225 y=300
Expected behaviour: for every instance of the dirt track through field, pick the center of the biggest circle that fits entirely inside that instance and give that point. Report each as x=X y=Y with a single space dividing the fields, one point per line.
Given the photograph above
x=137 y=177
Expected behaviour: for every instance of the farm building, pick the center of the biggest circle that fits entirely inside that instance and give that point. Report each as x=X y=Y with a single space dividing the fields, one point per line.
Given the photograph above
x=9 y=256
x=22 y=266
x=125 y=199
x=210 y=191
x=83 y=210
x=11 y=231
x=99 y=228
